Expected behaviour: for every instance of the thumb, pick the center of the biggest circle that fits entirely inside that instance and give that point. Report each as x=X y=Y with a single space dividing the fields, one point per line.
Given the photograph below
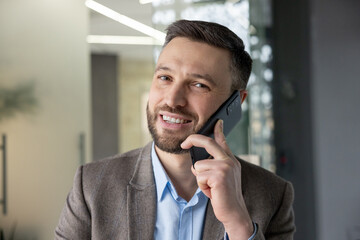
x=220 y=137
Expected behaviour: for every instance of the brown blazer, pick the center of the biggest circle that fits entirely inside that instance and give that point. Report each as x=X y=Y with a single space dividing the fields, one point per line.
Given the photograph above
x=115 y=198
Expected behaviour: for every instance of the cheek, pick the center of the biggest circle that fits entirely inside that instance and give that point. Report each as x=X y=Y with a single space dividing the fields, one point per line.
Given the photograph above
x=206 y=109
x=154 y=97
x=203 y=110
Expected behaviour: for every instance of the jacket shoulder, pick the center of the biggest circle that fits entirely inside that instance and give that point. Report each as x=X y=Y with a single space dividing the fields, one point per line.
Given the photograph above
x=123 y=159
x=115 y=171
x=269 y=200
x=255 y=176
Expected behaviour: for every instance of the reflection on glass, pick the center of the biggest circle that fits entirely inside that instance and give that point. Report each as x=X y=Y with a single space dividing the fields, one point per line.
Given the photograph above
x=261 y=124
x=165 y=17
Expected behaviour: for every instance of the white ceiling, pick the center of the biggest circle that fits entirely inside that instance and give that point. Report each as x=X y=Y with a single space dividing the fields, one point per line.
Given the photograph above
x=101 y=25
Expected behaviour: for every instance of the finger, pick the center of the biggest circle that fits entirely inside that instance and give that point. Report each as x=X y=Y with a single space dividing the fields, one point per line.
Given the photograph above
x=220 y=137
x=210 y=164
x=202 y=185
x=211 y=146
x=193 y=170
x=202 y=181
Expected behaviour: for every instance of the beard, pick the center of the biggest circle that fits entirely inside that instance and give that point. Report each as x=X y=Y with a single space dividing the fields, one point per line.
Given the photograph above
x=169 y=141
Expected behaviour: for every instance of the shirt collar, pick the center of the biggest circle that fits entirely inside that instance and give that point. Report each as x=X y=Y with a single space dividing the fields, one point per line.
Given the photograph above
x=161 y=178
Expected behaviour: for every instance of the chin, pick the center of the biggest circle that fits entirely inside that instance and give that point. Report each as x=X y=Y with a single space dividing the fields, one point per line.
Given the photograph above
x=171 y=149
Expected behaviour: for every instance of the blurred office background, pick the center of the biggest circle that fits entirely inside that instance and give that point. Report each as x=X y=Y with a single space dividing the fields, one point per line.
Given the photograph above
x=74 y=80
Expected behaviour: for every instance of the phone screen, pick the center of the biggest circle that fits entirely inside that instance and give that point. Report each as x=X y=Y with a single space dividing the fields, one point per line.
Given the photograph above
x=230 y=113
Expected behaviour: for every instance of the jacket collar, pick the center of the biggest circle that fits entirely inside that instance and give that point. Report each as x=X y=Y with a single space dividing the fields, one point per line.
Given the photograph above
x=141 y=198
x=213 y=228
x=143 y=176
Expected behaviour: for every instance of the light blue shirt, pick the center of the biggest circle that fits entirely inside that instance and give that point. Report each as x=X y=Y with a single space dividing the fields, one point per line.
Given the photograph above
x=175 y=217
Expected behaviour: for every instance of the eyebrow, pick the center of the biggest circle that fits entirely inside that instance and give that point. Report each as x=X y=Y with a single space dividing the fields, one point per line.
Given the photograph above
x=164 y=68
x=205 y=77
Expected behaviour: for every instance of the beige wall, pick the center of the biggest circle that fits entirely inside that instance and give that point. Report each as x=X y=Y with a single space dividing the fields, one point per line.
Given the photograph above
x=135 y=79
x=44 y=43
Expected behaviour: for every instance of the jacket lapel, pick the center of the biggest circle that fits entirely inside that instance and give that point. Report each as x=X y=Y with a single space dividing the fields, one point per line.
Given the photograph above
x=213 y=228
x=141 y=198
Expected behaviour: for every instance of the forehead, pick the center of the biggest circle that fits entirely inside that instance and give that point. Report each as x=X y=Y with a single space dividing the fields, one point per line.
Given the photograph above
x=188 y=56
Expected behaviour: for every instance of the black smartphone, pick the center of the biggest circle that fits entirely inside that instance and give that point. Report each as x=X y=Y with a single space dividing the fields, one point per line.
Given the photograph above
x=230 y=113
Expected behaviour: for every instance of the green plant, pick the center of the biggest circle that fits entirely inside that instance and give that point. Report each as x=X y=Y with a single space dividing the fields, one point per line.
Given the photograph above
x=20 y=99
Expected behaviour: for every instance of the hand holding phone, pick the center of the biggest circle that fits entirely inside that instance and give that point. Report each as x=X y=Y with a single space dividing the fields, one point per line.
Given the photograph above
x=230 y=113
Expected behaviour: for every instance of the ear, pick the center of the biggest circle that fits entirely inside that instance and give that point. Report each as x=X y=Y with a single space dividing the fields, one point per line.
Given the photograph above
x=243 y=95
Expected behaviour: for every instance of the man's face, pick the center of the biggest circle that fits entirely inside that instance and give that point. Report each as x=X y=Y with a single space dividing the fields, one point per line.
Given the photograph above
x=190 y=82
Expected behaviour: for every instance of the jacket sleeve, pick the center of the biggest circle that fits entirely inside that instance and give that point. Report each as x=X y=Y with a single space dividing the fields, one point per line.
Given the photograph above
x=75 y=219
x=282 y=224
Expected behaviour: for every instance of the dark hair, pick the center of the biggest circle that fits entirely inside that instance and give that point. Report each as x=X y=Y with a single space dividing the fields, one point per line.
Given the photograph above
x=219 y=36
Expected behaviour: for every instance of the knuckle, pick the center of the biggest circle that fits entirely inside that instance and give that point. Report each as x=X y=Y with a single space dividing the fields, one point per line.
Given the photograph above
x=209 y=141
x=222 y=175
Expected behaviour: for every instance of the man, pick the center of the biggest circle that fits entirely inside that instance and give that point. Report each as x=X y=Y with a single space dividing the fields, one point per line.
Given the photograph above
x=155 y=192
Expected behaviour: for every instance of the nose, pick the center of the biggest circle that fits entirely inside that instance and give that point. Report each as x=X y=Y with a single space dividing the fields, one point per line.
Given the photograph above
x=176 y=96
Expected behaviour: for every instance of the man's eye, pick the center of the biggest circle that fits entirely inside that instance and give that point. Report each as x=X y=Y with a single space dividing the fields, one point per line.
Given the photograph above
x=200 y=85
x=164 y=78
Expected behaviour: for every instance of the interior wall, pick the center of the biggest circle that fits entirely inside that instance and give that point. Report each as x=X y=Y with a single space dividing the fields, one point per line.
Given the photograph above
x=134 y=84
x=293 y=109
x=335 y=31
x=42 y=43
x=104 y=105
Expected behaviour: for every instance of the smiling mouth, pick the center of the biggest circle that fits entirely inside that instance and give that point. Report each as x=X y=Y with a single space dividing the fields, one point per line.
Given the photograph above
x=174 y=120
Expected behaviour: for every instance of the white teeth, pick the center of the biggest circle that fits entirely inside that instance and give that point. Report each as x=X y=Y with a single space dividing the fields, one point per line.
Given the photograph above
x=173 y=120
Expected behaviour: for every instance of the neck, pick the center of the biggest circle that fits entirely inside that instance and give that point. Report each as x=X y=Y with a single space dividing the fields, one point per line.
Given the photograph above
x=178 y=168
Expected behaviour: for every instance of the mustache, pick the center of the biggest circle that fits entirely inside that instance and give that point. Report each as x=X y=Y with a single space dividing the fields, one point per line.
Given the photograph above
x=177 y=110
